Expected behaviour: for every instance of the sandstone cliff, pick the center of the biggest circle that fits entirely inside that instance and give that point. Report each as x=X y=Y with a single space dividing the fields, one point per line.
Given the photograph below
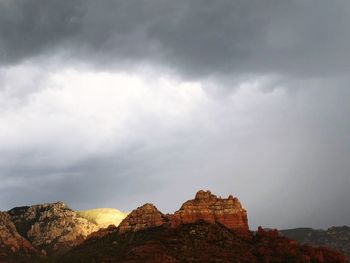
x=208 y=207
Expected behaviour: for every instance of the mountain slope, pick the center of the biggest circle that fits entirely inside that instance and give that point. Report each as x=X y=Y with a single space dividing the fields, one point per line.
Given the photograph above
x=335 y=237
x=51 y=227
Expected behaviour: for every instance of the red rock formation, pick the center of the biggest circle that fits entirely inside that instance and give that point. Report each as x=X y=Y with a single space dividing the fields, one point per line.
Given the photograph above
x=146 y=216
x=208 y=207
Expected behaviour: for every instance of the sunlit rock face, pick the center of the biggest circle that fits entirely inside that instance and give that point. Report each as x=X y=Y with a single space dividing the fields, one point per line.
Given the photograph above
x=12 y=244
x=146 y=216
x=51 y=227
x=103 y=217
x=208 y=207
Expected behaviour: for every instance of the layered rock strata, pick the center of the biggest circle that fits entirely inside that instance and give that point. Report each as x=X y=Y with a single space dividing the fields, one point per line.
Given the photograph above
x=208 y=207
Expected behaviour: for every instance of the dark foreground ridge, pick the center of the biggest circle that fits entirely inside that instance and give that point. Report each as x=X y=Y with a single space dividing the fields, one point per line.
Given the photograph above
x=205 y=229
x=196 y=242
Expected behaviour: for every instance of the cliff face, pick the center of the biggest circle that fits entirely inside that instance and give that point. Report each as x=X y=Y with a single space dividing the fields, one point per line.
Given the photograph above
x=208 y=207
x=146 y=216
x=12 y=245
x=51 y=227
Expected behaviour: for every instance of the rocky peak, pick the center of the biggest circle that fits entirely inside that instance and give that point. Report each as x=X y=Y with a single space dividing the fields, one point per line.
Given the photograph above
x=210 y=208
x=51 y=227
x=146 y=216
x=205 y=196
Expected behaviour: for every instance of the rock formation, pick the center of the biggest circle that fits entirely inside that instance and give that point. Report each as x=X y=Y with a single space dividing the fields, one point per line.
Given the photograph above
x=146 y=216
x=205 y=206
x=51 y=227
x=208 y=207
x=12 y=244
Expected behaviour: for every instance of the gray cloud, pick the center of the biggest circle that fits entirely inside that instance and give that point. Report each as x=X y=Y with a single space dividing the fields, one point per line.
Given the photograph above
x=280 y=142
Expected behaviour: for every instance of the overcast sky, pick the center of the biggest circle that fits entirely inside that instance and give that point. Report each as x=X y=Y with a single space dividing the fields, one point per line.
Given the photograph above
x=115 y=103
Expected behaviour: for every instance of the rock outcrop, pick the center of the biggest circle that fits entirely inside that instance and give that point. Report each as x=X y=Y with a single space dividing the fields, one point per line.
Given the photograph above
x=208 y=207
x=51 y=227
x=12 y=245
x=146 y=216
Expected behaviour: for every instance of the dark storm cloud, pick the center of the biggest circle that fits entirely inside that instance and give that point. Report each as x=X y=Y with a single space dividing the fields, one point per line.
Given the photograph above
x=29 y=28
x=196 y=38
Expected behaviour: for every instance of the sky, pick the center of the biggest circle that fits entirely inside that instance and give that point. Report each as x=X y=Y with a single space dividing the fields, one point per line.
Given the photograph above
x=115 y=103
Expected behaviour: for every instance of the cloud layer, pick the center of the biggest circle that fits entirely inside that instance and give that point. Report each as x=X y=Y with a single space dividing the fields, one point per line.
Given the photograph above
x=195 y=38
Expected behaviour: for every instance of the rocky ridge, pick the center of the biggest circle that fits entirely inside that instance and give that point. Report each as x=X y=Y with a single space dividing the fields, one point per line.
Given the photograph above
x=51 y=227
